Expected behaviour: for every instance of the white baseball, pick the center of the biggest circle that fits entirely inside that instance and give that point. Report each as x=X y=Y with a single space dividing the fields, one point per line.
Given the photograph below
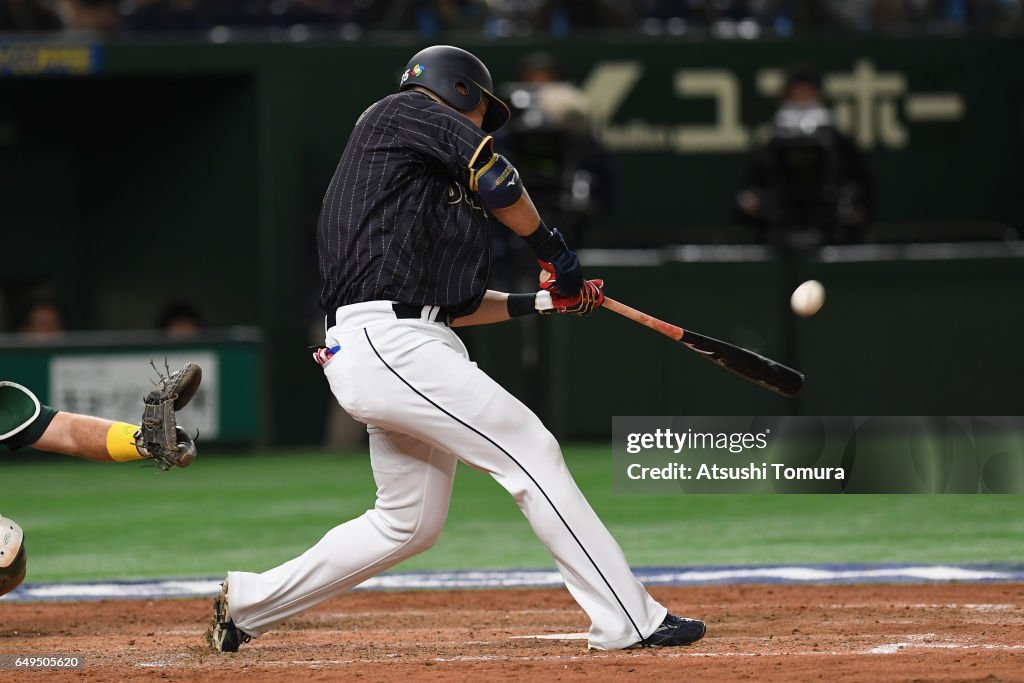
x=808 y=298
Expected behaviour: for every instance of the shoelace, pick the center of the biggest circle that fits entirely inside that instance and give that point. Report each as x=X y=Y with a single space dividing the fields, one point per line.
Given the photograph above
x=243 y=637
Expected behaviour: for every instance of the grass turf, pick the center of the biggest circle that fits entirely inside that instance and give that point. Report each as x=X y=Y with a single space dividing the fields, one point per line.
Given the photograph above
x=252 y=511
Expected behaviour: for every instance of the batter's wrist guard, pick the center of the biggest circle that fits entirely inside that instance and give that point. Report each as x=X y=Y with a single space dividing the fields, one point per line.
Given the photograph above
x=522 y=304
x=545 y=242
x=550 y=246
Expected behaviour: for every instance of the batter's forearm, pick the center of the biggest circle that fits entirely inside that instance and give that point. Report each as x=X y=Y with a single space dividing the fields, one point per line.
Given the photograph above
x=493 y=309
x=548 y=245
x=521 y=218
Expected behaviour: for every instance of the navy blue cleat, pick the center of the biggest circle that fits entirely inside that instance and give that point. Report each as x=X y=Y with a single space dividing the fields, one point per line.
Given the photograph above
x=674 y=631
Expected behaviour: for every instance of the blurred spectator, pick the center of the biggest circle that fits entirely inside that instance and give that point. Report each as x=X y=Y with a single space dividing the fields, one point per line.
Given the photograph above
x=42 y=321
x=589 y=15
x=562 y=164
x=93 y=16
x=180 y=319
x=426 y=17
x=557 y=17
x=809 y=184
x=508 y=18
x=539 y=68
x=27 y=15
x=159 y=15
x=734 y=18
x=975 y=13
x=750 y=18
x=922 y=15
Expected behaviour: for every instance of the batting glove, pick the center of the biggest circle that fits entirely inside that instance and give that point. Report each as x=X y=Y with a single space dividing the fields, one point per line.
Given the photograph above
x=586 y=300
x=549 y=246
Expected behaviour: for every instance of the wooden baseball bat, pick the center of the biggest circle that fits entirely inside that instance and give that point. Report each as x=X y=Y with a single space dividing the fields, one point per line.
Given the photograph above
x=747 y=364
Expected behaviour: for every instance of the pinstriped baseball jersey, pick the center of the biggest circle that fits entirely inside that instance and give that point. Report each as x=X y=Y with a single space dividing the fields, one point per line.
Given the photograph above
x=397 y=222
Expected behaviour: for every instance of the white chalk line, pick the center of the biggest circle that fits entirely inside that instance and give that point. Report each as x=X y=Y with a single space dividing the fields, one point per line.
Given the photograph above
x=661 y=654
x=910 y=642
x=928 y=641
x=540 y=579
x=977 y=607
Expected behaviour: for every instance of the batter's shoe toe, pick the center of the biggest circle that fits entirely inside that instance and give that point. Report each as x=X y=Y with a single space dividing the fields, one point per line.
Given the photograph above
x=223 y=636
x=675 y=631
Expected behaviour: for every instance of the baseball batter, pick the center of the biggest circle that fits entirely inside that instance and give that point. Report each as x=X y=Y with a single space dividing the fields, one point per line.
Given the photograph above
x=404 y=255
x=24 y=421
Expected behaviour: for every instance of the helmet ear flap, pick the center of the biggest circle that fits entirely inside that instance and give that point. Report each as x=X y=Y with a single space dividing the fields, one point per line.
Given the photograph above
x=468 y=94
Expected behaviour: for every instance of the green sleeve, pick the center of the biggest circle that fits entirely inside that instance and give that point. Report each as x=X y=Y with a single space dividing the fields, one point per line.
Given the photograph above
x=22 y=418
x=31 y=433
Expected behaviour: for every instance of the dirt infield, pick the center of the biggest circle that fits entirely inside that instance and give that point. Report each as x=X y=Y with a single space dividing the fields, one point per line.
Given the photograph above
x=944 y=632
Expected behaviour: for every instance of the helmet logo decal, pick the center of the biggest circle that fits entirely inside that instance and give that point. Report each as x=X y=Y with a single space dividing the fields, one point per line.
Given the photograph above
x=415 y=71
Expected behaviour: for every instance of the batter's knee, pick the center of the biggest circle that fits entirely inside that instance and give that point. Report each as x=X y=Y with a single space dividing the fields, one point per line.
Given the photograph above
x=413 y=531
x=13 y=558
x=424 y=538
x=538 y=462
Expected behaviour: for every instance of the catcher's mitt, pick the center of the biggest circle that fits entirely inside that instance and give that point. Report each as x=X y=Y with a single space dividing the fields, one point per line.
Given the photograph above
x=160 y=437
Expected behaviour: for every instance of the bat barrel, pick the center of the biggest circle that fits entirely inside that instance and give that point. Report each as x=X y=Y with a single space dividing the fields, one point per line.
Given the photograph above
x=747 y=364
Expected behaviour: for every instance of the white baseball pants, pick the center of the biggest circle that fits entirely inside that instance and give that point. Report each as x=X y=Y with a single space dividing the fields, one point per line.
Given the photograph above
x=427 y=406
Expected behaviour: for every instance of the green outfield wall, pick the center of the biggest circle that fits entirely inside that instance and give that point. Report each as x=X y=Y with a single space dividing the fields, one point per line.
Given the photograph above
x=218 y=156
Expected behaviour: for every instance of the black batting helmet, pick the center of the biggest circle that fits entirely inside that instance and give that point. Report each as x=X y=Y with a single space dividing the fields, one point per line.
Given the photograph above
x=458 y=78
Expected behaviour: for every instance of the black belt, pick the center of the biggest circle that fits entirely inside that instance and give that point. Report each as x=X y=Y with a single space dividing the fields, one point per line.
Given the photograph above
x=438 y=313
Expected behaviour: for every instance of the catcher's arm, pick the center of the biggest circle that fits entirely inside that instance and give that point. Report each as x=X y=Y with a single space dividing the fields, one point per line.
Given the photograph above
x=95 y=438
x=82 y=436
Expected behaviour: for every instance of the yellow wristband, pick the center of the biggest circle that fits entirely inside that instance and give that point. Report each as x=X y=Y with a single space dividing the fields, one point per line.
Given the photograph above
x=121 y=442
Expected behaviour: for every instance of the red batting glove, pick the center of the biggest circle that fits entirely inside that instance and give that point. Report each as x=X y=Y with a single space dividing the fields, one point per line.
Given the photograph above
x=587 y=300
x=322 y=354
